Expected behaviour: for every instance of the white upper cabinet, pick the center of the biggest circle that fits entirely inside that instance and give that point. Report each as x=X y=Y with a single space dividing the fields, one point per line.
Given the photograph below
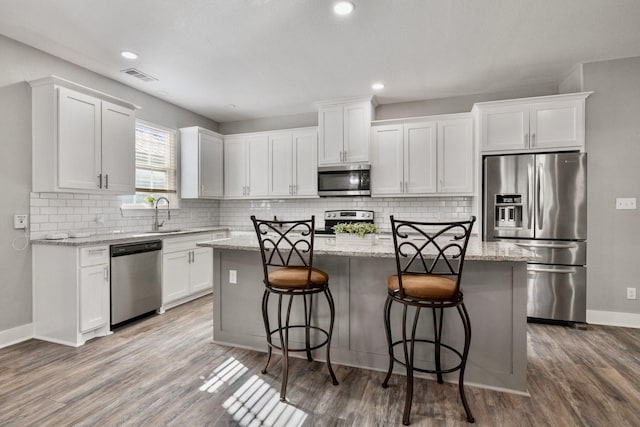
x=245 y=166
x=433 y=156
x=83 y=140
x=455 y=156
x=292 y=164
x=235 y=170
x=532 y=124
x=344 y=131
x=201 y=157
x=272 y=164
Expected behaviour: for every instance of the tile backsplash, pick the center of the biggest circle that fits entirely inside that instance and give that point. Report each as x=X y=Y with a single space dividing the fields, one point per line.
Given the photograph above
x=101 y=214
x=236 y=213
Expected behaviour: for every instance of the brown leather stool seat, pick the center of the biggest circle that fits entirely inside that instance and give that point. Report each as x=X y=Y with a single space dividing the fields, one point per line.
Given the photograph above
x=296 y=277
x=423 y=286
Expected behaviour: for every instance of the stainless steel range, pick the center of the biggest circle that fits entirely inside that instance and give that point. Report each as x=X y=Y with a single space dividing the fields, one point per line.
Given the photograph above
x=333 y=218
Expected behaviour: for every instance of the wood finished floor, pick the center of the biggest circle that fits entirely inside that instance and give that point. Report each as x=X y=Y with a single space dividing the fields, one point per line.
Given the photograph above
x=165 y=371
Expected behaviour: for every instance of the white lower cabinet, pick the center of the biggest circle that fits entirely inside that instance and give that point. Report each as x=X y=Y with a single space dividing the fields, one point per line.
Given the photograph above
x=70 y=293
x=187 y=269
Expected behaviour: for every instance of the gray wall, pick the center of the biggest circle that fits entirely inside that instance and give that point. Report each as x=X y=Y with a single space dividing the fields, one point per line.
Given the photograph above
x=457 y=104
x=613 y=147
x=18 y=64
x=428 y=107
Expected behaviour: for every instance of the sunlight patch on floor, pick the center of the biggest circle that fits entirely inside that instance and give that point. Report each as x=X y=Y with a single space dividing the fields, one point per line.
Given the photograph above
x=225 y=374
x=255 y=403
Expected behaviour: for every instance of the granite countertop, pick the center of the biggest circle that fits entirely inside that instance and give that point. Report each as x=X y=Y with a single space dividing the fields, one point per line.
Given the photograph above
x=477 y=250
x=117 y=238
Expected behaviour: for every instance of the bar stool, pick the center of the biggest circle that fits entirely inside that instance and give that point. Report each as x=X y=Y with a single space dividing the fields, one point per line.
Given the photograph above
x=287 y=260
x=429 y=267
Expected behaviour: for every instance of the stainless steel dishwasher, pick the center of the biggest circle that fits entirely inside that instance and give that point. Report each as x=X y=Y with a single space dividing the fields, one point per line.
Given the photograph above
x=136 y=280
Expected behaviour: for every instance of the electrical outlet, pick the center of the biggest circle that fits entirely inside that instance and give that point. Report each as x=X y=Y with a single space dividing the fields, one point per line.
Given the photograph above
x=626 y=203
x=19 y=221
x=233 y=277
x=631 y=293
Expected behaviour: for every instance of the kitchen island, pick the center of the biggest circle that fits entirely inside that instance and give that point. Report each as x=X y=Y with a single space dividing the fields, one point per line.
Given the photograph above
x=494 y=284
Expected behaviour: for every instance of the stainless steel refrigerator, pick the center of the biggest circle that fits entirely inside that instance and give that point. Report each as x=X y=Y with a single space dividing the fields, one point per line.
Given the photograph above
x=539 y=201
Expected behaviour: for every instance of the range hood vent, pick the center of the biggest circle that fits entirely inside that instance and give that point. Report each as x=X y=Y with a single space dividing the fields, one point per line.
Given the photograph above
x=134 y=72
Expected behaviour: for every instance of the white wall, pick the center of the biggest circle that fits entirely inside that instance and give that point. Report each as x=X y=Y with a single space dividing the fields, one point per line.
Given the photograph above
x=19 y=64
x=613 y=149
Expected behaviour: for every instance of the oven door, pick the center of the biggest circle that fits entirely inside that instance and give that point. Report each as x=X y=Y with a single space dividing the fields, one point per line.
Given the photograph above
x=341 y=182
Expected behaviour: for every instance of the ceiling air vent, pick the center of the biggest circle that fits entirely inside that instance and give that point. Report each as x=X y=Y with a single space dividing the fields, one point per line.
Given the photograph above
x=139 y=75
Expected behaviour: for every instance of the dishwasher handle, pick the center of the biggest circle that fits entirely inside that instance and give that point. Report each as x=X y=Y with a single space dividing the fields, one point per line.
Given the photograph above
x=135 y=248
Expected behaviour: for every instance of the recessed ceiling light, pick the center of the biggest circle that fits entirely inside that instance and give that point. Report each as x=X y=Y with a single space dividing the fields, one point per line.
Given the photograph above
x=343 y=8
x=128 y=54
x=377 y=86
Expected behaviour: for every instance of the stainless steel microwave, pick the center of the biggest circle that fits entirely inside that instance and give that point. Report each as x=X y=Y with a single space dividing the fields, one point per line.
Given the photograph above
x=344 y=180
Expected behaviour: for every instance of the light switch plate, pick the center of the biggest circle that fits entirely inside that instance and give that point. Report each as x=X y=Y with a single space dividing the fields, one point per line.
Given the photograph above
x=625 y=203
x=233 y=277
x=19 y=221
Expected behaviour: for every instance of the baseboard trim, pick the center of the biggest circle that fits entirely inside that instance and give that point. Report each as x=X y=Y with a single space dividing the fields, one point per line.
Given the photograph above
x=613 y=318
x=16 y=335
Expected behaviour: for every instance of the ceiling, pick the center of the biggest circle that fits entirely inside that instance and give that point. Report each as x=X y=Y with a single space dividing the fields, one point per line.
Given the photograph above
x=242 y=59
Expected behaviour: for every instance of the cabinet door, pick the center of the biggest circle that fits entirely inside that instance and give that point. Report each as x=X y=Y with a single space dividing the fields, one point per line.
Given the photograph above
x=420 y=159
x=258 y=181
x=305 y=163
x=118 y=149
x=504 y=128
x=94 y=297
x=201 y=270
x=175 y=276
x=235 y=170
x=357 y=127
x=79 y=139
x=280 y=165
x=331 y=132
x=387 y=175
x=455 y=156
x=557 y=124
x=210 y=166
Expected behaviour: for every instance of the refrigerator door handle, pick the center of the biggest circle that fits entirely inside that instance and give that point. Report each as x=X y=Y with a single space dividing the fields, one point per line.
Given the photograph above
x=549 y=270
x=530 y=183
x=539 y=196
x=548 y=245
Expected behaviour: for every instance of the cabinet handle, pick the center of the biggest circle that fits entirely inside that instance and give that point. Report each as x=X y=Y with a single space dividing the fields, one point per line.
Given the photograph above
x=96 y=251
x=193 y=257
x=106 y=181
x=295 y=189
x=202 y=189
x=402 y=186
x=526 y=139
x=100 y=181
x=406 y=186
x=533 y=139
x=106 y=273
x=344 y=155
x=341 y=157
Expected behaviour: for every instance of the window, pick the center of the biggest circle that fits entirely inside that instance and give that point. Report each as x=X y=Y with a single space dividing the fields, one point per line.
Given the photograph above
x=155 y=164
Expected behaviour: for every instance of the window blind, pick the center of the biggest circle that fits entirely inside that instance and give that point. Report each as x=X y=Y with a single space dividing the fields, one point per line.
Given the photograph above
x=155 y=158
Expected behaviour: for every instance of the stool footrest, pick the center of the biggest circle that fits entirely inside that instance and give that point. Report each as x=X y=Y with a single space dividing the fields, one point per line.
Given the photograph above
x=314 y=347
x=431 y=371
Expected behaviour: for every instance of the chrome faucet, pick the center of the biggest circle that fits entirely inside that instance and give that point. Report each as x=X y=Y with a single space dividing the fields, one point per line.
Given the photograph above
x=156 y=226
